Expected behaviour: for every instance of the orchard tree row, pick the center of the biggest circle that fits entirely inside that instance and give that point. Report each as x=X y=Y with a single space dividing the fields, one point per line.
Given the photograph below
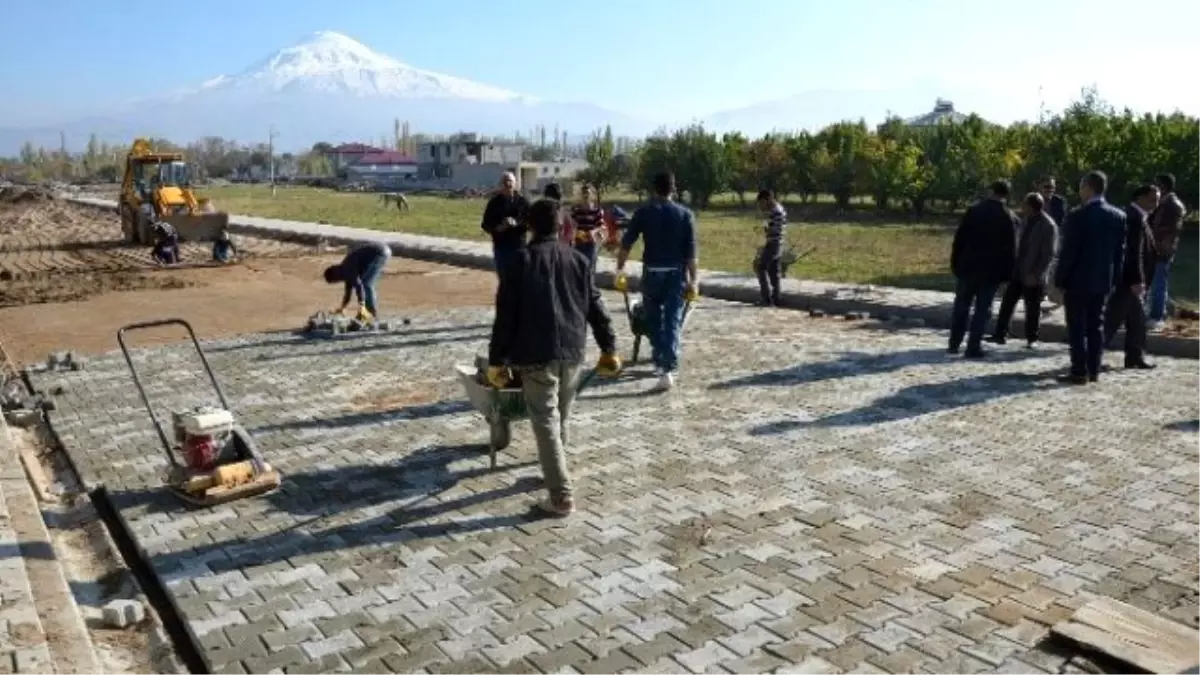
x=910 y=168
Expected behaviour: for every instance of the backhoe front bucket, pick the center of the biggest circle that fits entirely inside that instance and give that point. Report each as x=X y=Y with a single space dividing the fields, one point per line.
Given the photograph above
x=198 y=227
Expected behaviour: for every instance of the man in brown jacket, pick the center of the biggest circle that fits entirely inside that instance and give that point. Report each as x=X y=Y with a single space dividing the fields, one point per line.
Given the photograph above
x=1036 y=248
x=1166 y=223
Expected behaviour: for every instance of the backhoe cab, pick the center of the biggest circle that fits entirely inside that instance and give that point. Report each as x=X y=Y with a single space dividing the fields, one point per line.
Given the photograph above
x=157 y=187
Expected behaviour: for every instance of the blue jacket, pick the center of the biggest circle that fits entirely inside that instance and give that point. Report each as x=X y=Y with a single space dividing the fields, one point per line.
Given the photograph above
x=1093 y=249
x=670 y=233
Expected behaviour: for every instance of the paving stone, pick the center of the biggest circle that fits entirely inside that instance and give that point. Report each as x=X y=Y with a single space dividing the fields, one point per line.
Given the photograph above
x=852 y=475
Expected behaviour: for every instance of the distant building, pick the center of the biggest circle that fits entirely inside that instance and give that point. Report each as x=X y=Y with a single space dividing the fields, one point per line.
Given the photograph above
x=536 y=175
x=468 y=149
x=465 y=161
x=383 y=166
x=943 y=111
x=348 y=154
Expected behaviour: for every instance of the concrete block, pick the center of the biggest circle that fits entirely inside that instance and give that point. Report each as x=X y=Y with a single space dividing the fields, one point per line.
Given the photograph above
x=123 y=613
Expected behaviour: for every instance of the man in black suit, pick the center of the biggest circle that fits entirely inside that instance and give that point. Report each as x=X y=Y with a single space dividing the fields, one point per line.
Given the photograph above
x=1093 y=250
x=982 y=258
x=1125 y=306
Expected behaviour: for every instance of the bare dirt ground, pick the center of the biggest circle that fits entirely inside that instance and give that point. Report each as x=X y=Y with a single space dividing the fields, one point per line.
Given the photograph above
x=68 y=283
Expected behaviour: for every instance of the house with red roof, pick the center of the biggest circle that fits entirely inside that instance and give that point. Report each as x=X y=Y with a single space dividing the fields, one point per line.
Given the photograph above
x=383 y=165
x=348 y=154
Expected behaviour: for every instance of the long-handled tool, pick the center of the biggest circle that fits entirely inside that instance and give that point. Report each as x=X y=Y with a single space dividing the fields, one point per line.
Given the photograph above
x=220 y=462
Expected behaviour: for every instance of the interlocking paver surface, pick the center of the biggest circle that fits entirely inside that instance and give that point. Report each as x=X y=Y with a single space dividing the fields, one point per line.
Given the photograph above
x=817 y=495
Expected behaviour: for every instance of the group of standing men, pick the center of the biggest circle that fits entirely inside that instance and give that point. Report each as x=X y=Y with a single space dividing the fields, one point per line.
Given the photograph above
x=548 y=298
x=1101 y=259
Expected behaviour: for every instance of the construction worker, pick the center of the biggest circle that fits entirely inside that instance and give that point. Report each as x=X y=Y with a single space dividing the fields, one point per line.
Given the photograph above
x=669 y=270
x=166 y=244
x=546 y=301
x=615 y=220
x=360 y=271
x=223 y=248
x=588 y=220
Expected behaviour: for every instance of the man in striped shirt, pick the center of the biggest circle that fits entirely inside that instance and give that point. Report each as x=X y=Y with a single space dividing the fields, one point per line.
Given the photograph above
x=587 y=219
x=767 y=267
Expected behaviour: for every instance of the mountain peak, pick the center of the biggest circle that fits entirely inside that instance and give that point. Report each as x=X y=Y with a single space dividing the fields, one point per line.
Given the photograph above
x=330 y=62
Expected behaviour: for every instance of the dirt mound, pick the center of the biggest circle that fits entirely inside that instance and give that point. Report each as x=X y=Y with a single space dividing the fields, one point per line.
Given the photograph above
x=18 y=194
x=70 y=288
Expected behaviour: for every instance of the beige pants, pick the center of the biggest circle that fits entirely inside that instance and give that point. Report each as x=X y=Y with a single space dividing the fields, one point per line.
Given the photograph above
x=549 y=392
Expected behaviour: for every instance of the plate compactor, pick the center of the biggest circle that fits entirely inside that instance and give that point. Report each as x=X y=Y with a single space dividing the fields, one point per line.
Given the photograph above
x=212 y=458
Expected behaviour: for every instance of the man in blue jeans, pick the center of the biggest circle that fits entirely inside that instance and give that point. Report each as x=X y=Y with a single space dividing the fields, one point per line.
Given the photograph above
x=668 y=271
x=982 y=257
x=360 y=272
x=1166 y=223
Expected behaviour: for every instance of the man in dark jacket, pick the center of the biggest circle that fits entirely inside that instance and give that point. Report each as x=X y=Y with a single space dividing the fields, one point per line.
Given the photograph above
x=1166 y=222
x=982 y=258
x=1055 y=205
x=1093 y=250
x=504 y=219
x=1125 y=306
x=360 y=271
x=547 y=299
x=1036 y=248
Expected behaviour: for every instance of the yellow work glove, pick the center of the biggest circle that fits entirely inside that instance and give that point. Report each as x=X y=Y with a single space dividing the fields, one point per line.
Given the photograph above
x=622 y=283
x=609 y=365
x=692 y=293
x=497 y=376
x=364 y=315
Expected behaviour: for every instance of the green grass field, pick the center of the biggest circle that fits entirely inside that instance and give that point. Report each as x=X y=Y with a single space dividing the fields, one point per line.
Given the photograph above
x=870 y=251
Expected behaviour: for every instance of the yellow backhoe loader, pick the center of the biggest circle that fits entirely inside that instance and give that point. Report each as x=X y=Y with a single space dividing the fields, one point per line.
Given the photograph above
x=157 y=187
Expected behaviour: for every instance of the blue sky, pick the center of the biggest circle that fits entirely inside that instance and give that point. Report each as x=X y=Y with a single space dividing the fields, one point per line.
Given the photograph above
x=661 y=59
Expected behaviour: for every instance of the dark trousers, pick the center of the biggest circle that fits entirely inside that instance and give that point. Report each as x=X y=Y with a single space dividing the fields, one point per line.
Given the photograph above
x=501 y=256
x=767 y=270
x=1126 y=308
x=1032 y=297
x=968 y=295
x=1085 y=334
x=589 y=249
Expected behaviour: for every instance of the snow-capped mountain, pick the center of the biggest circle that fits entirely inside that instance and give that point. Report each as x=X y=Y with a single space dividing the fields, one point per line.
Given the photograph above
x=327 y=87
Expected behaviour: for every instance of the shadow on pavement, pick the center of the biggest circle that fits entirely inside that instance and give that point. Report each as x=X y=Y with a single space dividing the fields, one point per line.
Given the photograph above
x=922 y=399
x=297 y=336
x=348 y=346
x=333 y=496
x=852 y=364
x=412 y=412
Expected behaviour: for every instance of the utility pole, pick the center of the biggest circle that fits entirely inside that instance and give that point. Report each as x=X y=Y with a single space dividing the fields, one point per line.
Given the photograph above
x=271 y=156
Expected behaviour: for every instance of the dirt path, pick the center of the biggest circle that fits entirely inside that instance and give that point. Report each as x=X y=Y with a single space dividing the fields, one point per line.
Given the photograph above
x=68 y=284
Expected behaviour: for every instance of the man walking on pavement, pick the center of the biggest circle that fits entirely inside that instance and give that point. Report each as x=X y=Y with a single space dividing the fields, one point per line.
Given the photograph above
x=982 y=257
x=547 y=299
x=1125 y=306
x=768 y=261
x=1056 y=208
x=504 y=219
x=669 y=270
x=1089 y=264
x=1036 y=248
x=1166 y=222
x=360 y=272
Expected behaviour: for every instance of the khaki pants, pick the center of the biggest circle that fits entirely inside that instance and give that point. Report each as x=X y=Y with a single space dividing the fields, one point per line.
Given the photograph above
x=549 y=392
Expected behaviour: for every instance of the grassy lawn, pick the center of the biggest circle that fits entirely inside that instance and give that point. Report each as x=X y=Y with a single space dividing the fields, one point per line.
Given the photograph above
x=871 y=252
